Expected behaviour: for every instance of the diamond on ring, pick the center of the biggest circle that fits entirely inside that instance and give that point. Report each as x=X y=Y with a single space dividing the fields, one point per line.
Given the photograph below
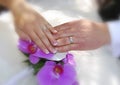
x=71 y=40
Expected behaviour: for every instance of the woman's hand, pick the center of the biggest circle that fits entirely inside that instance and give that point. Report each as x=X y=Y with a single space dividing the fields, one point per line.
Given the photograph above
x=81 y=35
x=30 y=25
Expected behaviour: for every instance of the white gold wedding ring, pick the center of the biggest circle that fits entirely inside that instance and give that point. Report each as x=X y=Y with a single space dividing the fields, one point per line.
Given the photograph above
x=71 y=40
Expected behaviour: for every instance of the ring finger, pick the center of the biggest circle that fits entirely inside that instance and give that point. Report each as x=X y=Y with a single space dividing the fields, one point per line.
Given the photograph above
x=45 y=40
x=47 y=32
x=67 y=40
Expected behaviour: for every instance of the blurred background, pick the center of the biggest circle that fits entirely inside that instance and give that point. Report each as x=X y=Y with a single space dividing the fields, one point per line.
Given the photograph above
x=74 y=8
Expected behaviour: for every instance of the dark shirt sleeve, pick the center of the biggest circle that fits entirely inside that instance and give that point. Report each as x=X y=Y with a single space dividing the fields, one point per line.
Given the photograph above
x=110 y=11
x=2 y=9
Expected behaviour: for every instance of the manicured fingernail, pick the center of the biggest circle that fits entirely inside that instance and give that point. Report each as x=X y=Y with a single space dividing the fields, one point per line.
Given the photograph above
x=55 y=31
x=55 y=43
x=54 y=51
x=47 y=52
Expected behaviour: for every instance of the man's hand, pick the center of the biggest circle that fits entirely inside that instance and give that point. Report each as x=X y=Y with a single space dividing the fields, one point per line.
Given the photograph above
x=81 y=35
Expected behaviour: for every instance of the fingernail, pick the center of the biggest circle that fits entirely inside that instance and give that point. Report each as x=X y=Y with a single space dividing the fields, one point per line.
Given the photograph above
x=55 y=31
x=47 y=52
x=54 y=51
x=55 y=43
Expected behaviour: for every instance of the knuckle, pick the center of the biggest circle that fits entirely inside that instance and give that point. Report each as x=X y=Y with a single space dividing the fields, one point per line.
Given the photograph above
x=36 y=39
x=41 y=46
x=45 y=29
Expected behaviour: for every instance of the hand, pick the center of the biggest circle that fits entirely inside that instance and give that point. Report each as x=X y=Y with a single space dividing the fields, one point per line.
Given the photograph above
x=32 y=26
x=85 y=35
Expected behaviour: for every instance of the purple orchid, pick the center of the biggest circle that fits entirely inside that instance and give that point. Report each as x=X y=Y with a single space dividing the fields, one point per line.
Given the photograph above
x=56 y=74
x=34 y=59
x=75 y=83
x=51 y=73
x=35 y=53
x=69 y=59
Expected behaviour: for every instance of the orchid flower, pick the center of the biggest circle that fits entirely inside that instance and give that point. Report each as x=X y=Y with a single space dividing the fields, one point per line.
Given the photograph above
x=56 y=74
x=35 y=53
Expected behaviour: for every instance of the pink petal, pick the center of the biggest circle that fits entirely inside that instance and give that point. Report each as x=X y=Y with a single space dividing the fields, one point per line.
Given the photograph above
x=22 y=45
x=69 y=59
x=34 y=59
x=46 y=76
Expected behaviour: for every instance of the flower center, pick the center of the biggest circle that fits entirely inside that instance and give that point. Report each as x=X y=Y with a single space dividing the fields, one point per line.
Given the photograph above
x=58 y=69
x=32 y=48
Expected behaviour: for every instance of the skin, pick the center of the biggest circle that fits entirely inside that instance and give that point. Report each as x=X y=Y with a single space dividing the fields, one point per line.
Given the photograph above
x=30 y=25
x=87 y=35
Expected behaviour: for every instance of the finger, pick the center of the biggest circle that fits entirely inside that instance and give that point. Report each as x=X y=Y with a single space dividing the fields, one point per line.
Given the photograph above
x=62 y=27
x=64 y=33
x=67 y=41
x=67 y=48
x=38 y=42
x=63 y=41
x=71 y=40
x=48 y=30
x=50 y=36
x=80 y=46
x=48 y=25
x=22 y=35
x=51 y=28
x=45 y=40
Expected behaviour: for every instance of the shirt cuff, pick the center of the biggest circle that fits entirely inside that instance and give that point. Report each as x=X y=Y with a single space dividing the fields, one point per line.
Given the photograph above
x=114 y=29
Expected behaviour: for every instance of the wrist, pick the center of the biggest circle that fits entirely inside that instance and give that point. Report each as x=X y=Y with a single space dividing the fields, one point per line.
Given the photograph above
x=18 y=7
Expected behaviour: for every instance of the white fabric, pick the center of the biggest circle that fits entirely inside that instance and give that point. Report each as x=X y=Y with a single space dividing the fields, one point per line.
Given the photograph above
x=114 y=29
x=96 y=67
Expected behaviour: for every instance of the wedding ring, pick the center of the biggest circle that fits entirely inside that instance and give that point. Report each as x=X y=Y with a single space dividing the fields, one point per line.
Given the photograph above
x=71 y=40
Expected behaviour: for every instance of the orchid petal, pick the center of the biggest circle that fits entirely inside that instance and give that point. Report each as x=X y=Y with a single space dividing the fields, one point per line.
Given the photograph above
x=46 y=75
x=34 y=59
x=22 y=45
